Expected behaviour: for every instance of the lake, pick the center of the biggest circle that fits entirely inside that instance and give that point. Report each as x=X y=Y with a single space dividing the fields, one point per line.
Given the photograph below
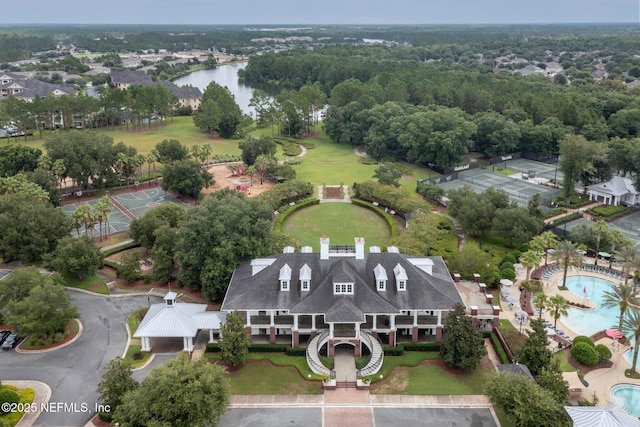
x=224 y=75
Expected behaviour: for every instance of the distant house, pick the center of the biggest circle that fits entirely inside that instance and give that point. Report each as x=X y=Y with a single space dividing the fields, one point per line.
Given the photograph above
x=529 y=70
x=173 y=319
x=12 y=84
x=553 y=68
x=187 y=96
x=617 y=191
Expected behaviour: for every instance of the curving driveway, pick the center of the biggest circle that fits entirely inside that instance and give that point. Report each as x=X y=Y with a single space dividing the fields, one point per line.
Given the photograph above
x=73 y=372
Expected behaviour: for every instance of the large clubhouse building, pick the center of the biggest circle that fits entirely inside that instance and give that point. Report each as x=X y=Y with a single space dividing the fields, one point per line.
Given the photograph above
x=343 y=295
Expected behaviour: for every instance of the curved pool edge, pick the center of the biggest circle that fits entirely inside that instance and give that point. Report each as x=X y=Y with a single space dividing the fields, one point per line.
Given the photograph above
x=632 y=404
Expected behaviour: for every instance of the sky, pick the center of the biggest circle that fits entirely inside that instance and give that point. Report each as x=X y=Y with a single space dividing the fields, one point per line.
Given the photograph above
x=260 y=12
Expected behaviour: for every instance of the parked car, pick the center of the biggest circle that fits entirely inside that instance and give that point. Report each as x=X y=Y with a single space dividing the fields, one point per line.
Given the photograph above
x=11 y=342
x=3 y=335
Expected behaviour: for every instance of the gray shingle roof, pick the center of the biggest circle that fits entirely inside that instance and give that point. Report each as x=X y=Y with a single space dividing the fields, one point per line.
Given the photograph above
x=261 y=291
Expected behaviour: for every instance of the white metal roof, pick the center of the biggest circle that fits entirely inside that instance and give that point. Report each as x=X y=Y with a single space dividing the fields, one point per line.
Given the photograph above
x=380 y=273
x=285 y=272
x=594 y=416
x=306 y=250
x=305 y=272
x=400 y=272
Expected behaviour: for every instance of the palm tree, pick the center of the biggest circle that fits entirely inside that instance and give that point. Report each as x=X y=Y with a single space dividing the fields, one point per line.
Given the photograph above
x=195 y=151
x=600 y=229
x=530 y=259
x=626 y=256
x=619 y=240
x=543 y=242
x=631 y=326
x=542 y=302
x=77 y=220
x=45 y=162
x=59 y=169
x=559 y=306
x=634 y=266
x=206 y=151
x=567 y=253
x=623 y=296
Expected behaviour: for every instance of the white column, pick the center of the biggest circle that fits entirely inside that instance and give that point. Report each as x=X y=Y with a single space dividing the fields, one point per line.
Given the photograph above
x=190 y=343
x=375 y=322
x=392 y=321
x=185 y=344
x=415 y=318
x=439 y=318
x=145 y=344
x=295 y=321
x=313 y=322
x=358 y=330
x=248 y=319
x=272 y=315
x=210 y=335
x=330 y=330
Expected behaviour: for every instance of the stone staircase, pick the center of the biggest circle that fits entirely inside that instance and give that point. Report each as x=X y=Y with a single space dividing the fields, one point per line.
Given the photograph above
x=313 y=356
x=377 y=354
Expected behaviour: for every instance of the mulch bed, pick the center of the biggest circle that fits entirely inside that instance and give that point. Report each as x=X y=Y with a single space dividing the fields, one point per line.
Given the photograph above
x=69 y=337
x=333 y=192
x=583 y=369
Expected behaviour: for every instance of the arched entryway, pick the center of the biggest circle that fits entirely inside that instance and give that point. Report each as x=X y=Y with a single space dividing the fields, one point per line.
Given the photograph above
x=345 y=363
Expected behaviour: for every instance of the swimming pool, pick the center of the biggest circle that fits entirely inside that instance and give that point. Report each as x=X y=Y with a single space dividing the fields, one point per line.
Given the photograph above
x=627 y=397
x=588 y=322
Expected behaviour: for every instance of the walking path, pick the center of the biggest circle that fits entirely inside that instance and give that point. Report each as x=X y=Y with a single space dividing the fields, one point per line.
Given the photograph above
x=570 y=211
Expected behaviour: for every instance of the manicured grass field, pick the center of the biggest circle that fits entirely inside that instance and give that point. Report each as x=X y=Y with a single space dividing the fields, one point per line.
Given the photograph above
x=410 y=376
x=92 y=284
x=273 y=373
x=341 y=222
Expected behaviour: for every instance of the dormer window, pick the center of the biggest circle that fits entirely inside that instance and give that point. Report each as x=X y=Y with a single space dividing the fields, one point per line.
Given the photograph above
x=343 y=288
x=305 y=277
x=381 y=278
x=401 y=277
x=285 y=277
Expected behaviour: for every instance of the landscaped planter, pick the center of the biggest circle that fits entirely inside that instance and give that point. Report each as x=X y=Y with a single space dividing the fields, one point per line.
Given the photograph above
x=329 y=384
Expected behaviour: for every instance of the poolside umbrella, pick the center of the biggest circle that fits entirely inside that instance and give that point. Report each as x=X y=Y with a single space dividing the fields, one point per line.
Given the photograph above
x=614 y=333
x=595 y=416
x=512 y=300
x=505 y=290
x=506 y=282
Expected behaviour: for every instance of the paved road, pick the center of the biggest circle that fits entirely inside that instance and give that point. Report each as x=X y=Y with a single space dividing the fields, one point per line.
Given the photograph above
x=73 y=372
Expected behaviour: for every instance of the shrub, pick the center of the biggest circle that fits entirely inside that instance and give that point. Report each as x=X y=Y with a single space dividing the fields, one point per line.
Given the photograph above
x=107 y=417
x=120 y=248
x=508 y=258
x=524 y=247
x=213 y=348
x=8 y=396
x=506 y=265
x=497 y=345
x=423 y=346
x=585 y=353
x=583 y=338
x=508 y=273
x=296 y=351
x=603 y=352
x=394 y=351
x=267 y=348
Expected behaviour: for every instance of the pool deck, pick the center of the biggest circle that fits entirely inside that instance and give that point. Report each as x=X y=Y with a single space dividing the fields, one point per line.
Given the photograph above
x=600 y=380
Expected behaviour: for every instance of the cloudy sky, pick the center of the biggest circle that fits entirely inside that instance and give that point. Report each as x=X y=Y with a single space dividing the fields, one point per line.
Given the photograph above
x=322 y=11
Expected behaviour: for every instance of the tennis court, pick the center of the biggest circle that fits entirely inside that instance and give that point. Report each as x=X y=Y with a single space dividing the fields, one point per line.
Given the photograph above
x=127 y=207
x=542 y=170
x=518 y=190
x=629 y=226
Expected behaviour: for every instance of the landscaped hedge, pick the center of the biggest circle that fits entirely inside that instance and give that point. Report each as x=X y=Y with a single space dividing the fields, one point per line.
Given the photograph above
x=608 y=211
x=585 y=353
x=267 y=348
x=422 y=346
x=116 y=266
x=277 y=226
x=603 y=352
x=554 y=212
x=583 y=338
x=296 y=351
x=121 y=248
x=497 y=345
x=213 y=348
x=566 y=218
x=393 y=227
x=394 y=351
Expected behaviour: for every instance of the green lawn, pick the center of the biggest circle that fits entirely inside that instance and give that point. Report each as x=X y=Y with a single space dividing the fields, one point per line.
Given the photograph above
x=273 y=373
x=412 y=377
x=92 y=284
x=341 y=222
